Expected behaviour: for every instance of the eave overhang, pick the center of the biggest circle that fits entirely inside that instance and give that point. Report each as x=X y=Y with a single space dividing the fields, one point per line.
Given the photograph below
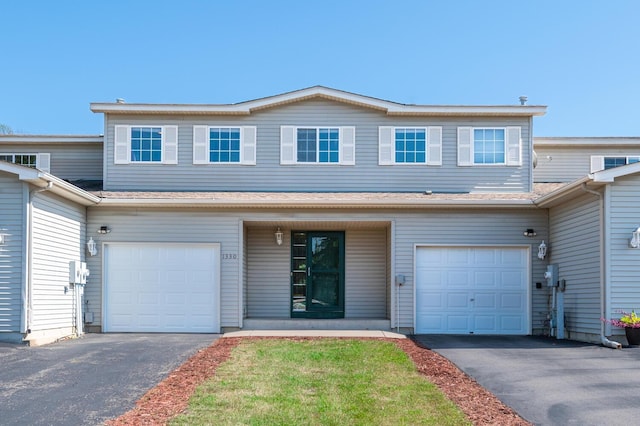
x=388 y=107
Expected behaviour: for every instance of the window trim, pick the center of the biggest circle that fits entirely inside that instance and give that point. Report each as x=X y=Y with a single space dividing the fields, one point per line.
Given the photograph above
x=201 y=143
x=289 y=145
x=512 y=146
x=387 y=146
x=122 y=144
x=597 y=161
x=43 y=160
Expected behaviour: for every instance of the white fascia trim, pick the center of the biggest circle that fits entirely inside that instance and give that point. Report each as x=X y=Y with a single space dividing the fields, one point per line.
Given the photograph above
x=611 y=174
x=46 y=139
x=390 y=204
x=561 y=193
x=603 y=142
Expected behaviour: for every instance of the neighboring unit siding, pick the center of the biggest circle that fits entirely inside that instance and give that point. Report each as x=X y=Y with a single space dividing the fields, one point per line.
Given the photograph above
x=268 y=273
x=180 y=226
x=623 y=271
x=58 y=238
x=575 y=246
x=74 y=161
x=565 y=164
x=269 y=175
x=12 y=215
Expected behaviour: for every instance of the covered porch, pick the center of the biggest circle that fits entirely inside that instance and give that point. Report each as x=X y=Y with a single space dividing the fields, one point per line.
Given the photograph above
x=317 y=275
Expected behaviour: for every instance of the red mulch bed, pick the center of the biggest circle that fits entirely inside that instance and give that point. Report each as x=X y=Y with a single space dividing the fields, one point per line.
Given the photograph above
x=171 y=396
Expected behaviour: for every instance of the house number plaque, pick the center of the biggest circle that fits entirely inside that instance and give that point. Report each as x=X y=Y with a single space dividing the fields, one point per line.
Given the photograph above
x=229 y=256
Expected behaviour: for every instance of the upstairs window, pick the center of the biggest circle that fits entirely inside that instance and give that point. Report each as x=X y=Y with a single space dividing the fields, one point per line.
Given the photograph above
x=601 y=162
x=317 y=145
x=40 y=161
x=146 y=144
x=224 y=145
x=410 y=145
x=491 y=146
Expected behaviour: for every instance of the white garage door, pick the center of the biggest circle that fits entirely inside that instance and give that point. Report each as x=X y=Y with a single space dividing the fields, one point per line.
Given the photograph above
x=163 y=288
x=479 y=290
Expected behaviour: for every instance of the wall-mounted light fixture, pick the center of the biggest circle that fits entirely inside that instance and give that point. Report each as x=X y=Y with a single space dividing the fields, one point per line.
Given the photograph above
x=104 y=229
x=92 y=248
x=1 y=239
x=542 y=250
x=530 y=233
x=635 y=239
x=279 y=236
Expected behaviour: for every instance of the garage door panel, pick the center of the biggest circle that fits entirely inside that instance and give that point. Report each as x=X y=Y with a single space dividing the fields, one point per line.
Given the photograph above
x=156 y=287
x=485 y=290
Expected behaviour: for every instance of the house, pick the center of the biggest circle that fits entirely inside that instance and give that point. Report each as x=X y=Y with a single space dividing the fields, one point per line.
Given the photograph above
x=316 y=208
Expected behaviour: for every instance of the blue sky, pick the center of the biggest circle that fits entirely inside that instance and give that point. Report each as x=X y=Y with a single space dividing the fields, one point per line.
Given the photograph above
x=580 y=58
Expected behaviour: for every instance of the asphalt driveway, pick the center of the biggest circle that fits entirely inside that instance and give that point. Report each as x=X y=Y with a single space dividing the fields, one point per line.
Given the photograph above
x=550 y=382
x=88 y=380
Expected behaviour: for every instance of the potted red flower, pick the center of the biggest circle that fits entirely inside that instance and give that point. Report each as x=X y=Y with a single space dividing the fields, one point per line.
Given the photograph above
x=631 y=324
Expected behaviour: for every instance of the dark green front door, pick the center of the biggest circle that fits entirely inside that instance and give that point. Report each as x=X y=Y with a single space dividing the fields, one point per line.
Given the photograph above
x=317 y=274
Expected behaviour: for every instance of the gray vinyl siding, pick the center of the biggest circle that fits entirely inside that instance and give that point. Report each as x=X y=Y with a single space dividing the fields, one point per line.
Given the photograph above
x=366 y=273
x=269 y=175
x=180 y=226
x=268 y=269
x=12 y=216
x=74 y=161
x=565 y=164
x=575 y=247
x=454 y=227
x=269 y=265
x=624 y=267
x=58 y=235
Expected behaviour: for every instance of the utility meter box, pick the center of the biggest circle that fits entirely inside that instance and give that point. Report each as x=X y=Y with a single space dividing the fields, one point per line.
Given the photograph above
x=78 y=272
x=551 y=275
x=75 y=271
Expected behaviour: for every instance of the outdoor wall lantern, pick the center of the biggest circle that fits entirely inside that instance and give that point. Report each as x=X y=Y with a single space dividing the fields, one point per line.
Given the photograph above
x=635 y=239
x=542 y=250
x=92 y=248
x=104 y=229
x=279 y=236
x=530 y=233
x=1 y=239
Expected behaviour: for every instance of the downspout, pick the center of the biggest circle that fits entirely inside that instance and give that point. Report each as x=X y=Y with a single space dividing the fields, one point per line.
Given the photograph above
x=28 y=302
x=603 y=339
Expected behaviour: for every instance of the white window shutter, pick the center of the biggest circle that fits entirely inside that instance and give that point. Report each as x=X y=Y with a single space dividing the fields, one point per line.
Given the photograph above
x=434 y=146
x=465 y=148
x=597 y=163
x=121 y=145
x=43 y=162
x=348 y=145
x=287 y=145
x=514 y=146
x=386 y=146
x=200 y=145
x=170 y=145
x=248 y=145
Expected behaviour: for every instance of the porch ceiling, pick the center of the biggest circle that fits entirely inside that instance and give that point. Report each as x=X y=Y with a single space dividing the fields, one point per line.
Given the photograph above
x=325 y=225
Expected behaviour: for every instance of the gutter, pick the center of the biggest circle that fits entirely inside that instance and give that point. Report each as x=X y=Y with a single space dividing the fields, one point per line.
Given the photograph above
x=603 y=339
x=28 y=300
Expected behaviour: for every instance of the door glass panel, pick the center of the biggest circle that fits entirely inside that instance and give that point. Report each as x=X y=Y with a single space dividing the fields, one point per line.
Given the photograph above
x=317 y=268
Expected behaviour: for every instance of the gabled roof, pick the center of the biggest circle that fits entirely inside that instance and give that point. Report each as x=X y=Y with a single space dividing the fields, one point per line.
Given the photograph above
x=591 y=181
x=388 y=107
x=42 y=180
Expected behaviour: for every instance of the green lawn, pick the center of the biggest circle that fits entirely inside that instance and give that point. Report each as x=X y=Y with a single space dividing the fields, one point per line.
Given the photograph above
x=319 y=382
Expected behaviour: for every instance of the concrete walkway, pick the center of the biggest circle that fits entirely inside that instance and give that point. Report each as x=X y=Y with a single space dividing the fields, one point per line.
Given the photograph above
x=315 y=333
